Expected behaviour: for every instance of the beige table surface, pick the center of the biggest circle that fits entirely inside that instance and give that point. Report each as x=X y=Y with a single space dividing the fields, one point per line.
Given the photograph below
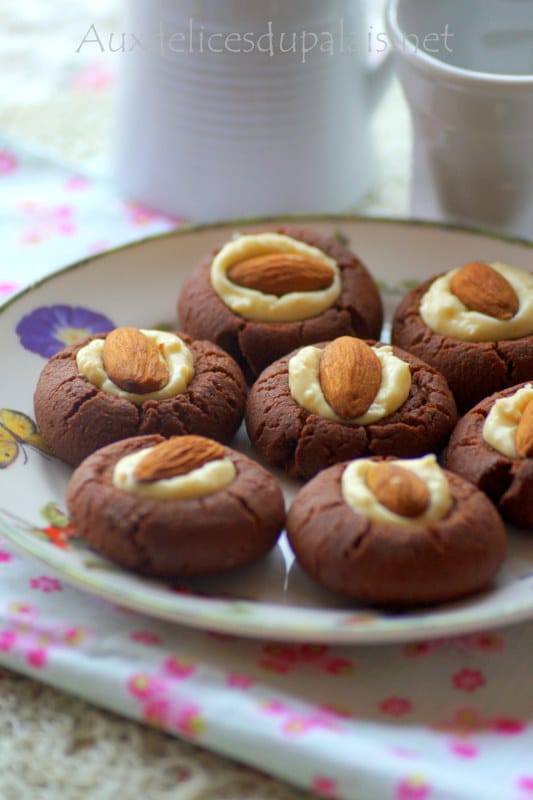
x=52 y=746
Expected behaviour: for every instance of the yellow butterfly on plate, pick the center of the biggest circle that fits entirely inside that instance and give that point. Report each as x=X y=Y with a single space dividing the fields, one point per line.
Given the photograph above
x=17 y=430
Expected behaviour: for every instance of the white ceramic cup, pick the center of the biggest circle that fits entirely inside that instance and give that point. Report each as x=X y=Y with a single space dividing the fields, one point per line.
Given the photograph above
x=215 y=121
x=467 y=71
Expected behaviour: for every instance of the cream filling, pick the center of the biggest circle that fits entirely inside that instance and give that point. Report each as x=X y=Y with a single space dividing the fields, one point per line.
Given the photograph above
x=210 y=478
x=305 y=388
x=258 y=306
x=444 y=313
x=178 y=357
x=363 y=501
x=499 y=429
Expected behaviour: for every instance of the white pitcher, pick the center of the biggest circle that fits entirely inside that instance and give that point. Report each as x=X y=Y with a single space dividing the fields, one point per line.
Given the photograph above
x=247 y=107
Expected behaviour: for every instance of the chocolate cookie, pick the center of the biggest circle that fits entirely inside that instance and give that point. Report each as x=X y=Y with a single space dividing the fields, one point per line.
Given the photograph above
x=128 y=383
x=264 y=294
x=326 y=403
x=179 y=507
x=475 y=325
x=492 y=446
x=414 y=535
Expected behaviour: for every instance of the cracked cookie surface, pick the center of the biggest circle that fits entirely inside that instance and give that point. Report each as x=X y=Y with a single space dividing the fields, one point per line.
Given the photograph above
x=302 y=443
x=473 y=370
x=224 y=530
x=76 y=418
x=507 y=481
x=386 y=564
x=358 y=311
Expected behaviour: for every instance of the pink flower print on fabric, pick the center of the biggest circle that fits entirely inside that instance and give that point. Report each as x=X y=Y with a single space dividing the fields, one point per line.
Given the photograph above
x=189 y=721
x=464 y=722
x=336 y=712
x=162 y=712
x=7 y=288
x=27 y=638
x=525 y=784
x=98 y=247
x=146 y=687
x=324 y=787
x=395 y=706
x=37 y=658
x=7 y=640
x=171 y=715
x=140 y=215
x=415 y=649
x=468 y=680
x=74 y=636
x=46 y=584
x=31 y=647
x=93 y=77
x=25 y=617
x=284 y=658
x=236 y=681
x=464 y=750
x=77 y=183
x=160 y=707
x=507 y=726
x=295 y=723
x=274 y=707
x=414 y=787
x=467 y=722
x=46 y=222
x=178 y=668
x=8 y=162
x=484 y=642
x=5 y=557
x=490 y=642
x=22 y=612
x=403 y=752
x=156 y=712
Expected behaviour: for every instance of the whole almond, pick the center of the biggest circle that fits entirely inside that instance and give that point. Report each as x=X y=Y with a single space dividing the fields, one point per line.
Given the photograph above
x=481 y=288
x=177 y=456
x=281 y=273
x=398 y=489
x=133 y=362
x=350 y=376
x=524 y=433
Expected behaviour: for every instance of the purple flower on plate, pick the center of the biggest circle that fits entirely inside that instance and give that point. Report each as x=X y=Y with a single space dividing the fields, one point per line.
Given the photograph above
x=48 y=329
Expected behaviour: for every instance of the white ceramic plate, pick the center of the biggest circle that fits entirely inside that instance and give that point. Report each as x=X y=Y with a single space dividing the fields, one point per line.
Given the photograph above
x=138 y=285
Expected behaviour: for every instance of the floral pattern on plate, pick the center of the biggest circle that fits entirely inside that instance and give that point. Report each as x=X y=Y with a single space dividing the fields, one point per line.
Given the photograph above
x=48 y=329
x=17 y=430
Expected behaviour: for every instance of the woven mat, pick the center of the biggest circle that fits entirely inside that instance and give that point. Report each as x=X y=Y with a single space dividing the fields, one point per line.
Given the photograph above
x=54 y=746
